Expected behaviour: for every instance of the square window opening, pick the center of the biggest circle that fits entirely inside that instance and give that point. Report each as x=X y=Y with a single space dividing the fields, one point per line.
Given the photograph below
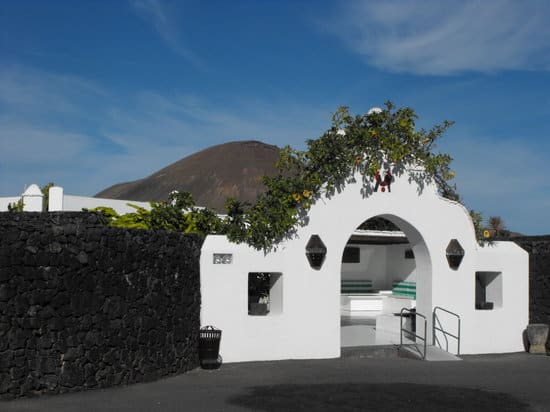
x=351 y=255
x=265 y=293
x=488 y=290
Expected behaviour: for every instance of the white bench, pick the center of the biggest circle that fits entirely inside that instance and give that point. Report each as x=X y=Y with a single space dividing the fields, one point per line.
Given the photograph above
x=359 y=298
x=358 y=295
x=362 y=303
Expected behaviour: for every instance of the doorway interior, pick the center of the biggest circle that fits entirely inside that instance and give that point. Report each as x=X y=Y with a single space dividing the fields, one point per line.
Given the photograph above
x=378 y=279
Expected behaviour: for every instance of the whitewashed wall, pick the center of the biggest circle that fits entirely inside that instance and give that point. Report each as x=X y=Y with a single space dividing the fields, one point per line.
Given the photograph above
x=372 y=265
x=5 y=201
x=502 y=326
x=399 y=268
x=59 y=201
x=296 y=332
x=77 y=203
x=32 y=200
x=309 y=323
x=382 y=264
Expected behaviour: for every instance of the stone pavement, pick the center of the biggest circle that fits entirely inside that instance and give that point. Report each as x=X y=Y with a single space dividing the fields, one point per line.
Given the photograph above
x=511 y=382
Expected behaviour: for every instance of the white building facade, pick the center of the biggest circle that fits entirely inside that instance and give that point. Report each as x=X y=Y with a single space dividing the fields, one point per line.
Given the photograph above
x=307 y=304
x=59 y=201
x=488 y=290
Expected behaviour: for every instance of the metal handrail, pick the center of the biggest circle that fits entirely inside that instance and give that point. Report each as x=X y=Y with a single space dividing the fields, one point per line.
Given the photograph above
x=434 y=336
x=411 y=333
x=435 y=320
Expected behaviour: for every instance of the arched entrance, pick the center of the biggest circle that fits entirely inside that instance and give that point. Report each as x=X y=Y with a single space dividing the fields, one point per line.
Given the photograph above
x=385 y=267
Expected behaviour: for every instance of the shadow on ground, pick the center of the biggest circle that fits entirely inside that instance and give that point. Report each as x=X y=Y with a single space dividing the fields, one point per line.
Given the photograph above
x=375 y=397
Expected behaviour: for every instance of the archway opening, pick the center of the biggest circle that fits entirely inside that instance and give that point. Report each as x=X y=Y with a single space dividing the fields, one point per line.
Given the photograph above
x=385 y=267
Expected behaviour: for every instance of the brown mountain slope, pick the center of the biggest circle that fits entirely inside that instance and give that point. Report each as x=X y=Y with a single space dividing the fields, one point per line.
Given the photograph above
x=211 y=175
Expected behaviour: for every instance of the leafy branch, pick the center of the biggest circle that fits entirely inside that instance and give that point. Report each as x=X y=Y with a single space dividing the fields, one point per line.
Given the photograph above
x=381 y=139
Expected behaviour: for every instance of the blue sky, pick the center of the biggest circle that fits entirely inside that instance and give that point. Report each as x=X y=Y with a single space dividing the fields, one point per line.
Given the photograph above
x=93 y=93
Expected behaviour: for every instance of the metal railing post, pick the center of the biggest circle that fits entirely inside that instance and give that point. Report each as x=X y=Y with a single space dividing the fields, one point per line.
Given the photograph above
x=435 y=320
x=401 y=326
x=458 y=346
x=434 y=317
x=411 y=333
x=425 y=336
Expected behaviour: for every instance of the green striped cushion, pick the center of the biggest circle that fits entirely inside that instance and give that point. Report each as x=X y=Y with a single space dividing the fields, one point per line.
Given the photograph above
x=356 y=286
x=405 y=289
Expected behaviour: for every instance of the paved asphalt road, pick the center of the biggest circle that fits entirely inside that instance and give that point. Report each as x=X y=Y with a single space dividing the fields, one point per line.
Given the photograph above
x=512 y=382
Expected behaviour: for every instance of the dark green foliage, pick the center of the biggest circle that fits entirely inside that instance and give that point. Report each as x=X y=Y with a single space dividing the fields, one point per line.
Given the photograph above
x=258 y=285
x=362 y=143
x=384 y=139
x=16 y=207
x=46 y=195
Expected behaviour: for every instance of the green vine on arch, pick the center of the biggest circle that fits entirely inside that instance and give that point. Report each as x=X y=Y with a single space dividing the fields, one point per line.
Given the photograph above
x=354 y=143
x=360 y=143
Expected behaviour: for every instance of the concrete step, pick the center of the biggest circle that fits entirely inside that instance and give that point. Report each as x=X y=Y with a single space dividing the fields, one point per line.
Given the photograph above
x=410 y=351
x=371 y=352
x=433 y=353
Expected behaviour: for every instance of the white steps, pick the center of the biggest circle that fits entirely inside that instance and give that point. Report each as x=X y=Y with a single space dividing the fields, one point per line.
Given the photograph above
x=433 y=353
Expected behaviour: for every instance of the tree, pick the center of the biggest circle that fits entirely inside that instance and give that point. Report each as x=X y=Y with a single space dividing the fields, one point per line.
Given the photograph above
x=353 y=144
x=497 y=226
x=361 y=143
x=46 y=195
x=477 y=220
x=16 y=207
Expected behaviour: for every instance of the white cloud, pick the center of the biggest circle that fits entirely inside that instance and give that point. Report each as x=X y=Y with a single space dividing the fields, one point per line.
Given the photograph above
x=202 y=122
x=162 y=18
x=435 y=37
x=41 y=133
x=23 y=89
x=27 y=145
x=40 y=154
x=159 y=129
x=67 y=129
x=128 y=138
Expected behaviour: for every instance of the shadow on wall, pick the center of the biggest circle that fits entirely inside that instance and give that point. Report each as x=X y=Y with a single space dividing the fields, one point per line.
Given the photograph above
x=374 y=398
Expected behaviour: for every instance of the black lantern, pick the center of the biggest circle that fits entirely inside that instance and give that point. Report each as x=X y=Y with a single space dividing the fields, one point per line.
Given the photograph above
x=455 y=253
x=316 y=252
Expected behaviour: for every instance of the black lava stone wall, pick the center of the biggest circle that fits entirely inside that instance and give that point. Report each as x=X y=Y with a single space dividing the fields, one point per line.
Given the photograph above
x=83 y=305
x=539 y=276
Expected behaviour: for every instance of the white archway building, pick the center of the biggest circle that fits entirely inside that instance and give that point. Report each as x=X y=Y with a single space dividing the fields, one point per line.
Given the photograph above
x=304 y=320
